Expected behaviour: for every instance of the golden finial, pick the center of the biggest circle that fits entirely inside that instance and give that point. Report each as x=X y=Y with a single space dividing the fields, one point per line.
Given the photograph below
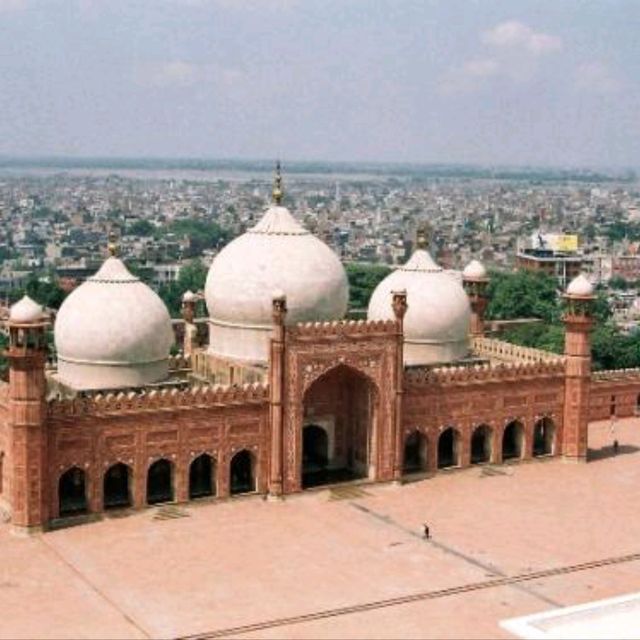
x=423 y=236
x=277 y=185
x=113 y=245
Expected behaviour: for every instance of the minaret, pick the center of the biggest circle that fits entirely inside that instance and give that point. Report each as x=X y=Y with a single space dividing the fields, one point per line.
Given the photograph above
x=276 y=393
x=190 y=337
x=27 y=356
x=399 y=306
x=578 y=320
x=476 y=282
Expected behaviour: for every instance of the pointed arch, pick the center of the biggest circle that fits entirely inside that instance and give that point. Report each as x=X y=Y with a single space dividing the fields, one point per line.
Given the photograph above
x=72 y=492
x=202 y=477
x=449 y=448
x=117 y=486
x=242 y=473
x=544 y=435
x=482 y=444
x=513 y=441
x=415 y=459
x=160 y=482
x=345 y=401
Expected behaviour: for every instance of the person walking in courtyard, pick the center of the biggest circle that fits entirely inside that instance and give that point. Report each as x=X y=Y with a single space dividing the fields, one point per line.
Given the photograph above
x=612 y=433
x=427 y=533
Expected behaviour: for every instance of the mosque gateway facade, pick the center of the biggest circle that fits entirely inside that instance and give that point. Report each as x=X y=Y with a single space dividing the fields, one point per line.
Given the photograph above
x=284 y=394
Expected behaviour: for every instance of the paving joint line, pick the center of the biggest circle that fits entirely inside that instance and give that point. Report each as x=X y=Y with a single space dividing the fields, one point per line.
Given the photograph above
x=489 y=568
x=415 y=597
x=94 y=588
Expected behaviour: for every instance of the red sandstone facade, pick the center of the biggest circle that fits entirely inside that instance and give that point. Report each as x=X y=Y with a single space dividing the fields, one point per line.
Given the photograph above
x=346 y=380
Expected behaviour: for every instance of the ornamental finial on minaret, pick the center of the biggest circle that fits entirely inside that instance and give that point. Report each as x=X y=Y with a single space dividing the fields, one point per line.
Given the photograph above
x=277 y=192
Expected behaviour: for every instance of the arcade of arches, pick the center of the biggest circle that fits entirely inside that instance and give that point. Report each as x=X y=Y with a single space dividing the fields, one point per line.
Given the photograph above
x=338 y=446
x=346 y=400
x=117 y=483
x=481 y=444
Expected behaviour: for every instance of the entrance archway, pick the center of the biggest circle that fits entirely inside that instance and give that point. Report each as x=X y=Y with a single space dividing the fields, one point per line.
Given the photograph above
x=160 y=482
x=346 y=399
x=415 y=453
x=116 y=487
x=242 y=473
x=315 y=456
x=513 y=441
x=72 y=492
x=448 y=448
x=543 y=437
x=481 y=444
x=201 y=477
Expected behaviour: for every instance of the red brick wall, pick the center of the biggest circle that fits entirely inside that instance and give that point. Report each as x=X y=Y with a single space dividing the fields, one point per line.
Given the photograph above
x=432 y=409
x=614 y=397
x=94 y=443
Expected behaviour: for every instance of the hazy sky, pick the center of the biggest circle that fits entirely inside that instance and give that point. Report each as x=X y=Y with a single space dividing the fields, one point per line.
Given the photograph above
x=514 y=82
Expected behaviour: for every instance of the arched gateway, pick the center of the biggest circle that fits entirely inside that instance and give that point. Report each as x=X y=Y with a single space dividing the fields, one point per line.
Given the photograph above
x=347 y=400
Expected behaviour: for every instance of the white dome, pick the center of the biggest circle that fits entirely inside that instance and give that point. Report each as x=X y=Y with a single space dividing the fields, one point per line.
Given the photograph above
x=112 y=331
x=277 y=254
x=26 y=311
x=580 y=286
x=436 y=325
x=474 y=271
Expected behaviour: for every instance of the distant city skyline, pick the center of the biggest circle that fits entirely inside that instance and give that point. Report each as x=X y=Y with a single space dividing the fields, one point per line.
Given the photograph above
x=517 y=83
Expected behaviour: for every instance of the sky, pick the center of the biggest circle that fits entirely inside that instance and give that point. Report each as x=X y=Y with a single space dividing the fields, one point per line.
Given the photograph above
x=519 y=82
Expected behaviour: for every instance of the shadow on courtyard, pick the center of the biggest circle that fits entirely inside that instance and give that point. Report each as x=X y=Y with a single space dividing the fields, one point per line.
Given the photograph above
x=608 y=452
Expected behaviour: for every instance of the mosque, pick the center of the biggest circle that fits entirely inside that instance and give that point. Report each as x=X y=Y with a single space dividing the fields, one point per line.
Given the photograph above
x=284 y=395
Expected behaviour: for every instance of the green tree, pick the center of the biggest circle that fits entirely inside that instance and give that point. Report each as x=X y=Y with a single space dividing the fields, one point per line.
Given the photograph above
x=44 y=289
x=363 y=279
x=202 y=234
x=192 y=277
x=523 y=294
x=141 y=228
x=618 y=282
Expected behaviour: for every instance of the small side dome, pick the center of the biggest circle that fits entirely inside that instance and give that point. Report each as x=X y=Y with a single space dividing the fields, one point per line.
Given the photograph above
x=189 y=296
x=112 y=331
x=26 y=311
x=474 y=271
x=580 y=287
x=436 y=325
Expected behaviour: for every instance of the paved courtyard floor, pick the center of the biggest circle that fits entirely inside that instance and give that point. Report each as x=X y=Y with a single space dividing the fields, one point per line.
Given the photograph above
x=506 y=542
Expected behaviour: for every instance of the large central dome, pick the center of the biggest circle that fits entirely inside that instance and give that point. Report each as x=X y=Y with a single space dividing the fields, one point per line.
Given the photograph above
x=277 y=255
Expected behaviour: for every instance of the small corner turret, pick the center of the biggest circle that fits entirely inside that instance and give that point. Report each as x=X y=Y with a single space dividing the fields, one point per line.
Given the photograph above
x=475 y=281
x=578 y=320
x=27 y=354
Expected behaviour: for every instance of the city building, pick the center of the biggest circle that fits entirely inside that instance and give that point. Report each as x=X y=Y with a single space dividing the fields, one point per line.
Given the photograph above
x=285 y=395
x=556 y=256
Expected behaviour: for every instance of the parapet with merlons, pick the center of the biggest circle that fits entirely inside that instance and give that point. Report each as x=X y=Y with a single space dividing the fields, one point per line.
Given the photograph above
x=501 y=351
x=200 y=397
x=179 y=362
x=483 y=373
x=342 y=329
x=615 y=375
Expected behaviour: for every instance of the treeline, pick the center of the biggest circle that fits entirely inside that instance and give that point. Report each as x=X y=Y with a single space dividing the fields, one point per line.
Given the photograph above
x=534 y=295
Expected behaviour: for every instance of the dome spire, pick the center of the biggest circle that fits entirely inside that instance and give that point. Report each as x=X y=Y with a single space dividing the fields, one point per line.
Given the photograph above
x=423 y=236
x=277 y=191
x=112 y=245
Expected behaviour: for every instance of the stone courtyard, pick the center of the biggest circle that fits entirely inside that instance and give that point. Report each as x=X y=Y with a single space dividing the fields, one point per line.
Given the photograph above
x=506 y=541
